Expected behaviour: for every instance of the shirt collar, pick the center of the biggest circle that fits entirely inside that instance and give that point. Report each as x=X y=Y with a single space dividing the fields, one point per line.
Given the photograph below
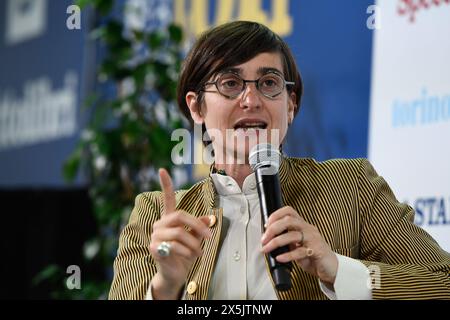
x=213 y=185
x=226 y=185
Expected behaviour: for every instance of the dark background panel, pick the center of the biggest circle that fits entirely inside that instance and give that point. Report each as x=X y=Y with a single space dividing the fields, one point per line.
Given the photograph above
x=41 y=227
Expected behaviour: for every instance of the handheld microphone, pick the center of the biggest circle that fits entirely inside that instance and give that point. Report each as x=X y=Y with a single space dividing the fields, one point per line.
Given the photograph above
x=265 y=160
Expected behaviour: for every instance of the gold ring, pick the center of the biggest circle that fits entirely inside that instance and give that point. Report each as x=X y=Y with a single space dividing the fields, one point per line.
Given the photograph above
x=300 y=243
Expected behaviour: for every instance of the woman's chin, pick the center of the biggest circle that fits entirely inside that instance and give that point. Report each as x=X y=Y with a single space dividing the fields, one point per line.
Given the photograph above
x=232 y=156
x=241 y=153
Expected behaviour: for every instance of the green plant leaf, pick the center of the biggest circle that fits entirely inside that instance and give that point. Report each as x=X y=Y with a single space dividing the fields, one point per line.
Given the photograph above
x=176 y=33
x=83 y=3
x=104 y=6
x=51 y=272
x=155 y=40
x=72 y=165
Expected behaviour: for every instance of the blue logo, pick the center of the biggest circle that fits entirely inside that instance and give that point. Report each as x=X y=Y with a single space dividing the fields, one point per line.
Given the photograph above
x=425 y=110
x=432 y=211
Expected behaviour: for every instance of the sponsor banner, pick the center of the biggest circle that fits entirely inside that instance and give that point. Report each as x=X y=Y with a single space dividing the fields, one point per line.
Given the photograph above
x=41 y=54
x=409 y=136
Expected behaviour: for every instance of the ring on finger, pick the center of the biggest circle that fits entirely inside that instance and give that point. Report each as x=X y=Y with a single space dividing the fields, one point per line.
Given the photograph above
x=300 y=243
x=164 y=249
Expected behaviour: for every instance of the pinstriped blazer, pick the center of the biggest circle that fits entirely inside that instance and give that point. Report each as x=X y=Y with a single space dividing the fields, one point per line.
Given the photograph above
x=353 y=208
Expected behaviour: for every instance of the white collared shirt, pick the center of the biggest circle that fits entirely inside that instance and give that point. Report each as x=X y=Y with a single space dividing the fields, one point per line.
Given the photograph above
x=240 y=272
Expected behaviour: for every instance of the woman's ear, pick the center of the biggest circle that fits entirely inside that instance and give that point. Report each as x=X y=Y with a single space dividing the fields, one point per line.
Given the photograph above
x=194 y=107
x=291 y=107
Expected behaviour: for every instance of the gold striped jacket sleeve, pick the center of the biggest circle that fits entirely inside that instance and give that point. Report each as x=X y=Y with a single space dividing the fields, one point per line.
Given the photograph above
x=405 y=261
x=359 y=216
x=134 y=266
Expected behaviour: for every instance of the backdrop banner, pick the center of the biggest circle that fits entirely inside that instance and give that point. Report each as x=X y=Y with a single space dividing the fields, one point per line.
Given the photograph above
x=42 y=79
x=409 y=135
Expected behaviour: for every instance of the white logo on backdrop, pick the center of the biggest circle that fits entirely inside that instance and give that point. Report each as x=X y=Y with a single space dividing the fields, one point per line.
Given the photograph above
x=42 y=114
x=25 y=19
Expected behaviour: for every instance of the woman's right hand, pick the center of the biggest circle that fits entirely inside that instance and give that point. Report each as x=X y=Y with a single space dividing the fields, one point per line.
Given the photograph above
x=185 y=245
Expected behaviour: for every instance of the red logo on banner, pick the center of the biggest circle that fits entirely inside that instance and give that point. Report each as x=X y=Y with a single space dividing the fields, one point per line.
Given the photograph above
x=411 y=7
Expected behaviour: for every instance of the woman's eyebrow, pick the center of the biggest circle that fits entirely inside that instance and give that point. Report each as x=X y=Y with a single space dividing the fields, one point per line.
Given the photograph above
x=233 y=70
x=264 y=70
x=261 y=70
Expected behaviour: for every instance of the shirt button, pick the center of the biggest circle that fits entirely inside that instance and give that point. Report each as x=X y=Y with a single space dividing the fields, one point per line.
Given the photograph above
x=252 y=186
x=212 y=220
x=192 y=287
x=243 y=209
x=237 y=256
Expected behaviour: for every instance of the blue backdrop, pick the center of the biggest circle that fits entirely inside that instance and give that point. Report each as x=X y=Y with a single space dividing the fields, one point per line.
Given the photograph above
x=333 y=48
x=51 y=55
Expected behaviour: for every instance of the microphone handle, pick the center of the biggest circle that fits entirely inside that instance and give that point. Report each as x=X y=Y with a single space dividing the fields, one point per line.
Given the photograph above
x=269 y=191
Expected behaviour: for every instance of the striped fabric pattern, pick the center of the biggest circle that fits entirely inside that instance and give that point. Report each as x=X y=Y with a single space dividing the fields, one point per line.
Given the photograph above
x=354 y=210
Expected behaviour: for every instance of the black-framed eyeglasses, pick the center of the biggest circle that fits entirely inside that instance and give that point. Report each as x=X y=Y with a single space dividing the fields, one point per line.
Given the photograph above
x=231 y=85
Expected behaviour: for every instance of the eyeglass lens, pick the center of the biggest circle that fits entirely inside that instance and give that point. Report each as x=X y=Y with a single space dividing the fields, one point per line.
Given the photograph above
x=231 y=84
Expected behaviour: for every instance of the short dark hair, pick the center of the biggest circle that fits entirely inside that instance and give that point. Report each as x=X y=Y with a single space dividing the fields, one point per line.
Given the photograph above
x=228 y=45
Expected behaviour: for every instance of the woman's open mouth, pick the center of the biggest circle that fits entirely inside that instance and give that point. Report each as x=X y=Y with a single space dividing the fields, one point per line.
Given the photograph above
x=250 y=125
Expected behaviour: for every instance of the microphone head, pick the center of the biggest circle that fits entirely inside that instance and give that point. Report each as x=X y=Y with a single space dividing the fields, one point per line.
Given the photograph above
x=265 y=155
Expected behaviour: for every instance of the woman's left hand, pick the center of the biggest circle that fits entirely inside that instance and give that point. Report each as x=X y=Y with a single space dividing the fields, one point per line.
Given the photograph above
x=306 y=245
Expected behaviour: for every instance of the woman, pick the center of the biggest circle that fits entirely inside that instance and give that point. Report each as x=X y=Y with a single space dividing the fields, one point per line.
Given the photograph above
x=347 y=235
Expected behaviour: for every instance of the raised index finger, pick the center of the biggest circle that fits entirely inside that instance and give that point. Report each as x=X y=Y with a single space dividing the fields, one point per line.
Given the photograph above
x=167 y=189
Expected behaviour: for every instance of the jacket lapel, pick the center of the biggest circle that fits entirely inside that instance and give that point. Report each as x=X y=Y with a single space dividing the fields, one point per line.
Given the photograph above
x=200 y=201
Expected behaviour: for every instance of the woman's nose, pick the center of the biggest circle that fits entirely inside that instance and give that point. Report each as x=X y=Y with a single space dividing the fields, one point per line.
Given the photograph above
x=250 y=96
